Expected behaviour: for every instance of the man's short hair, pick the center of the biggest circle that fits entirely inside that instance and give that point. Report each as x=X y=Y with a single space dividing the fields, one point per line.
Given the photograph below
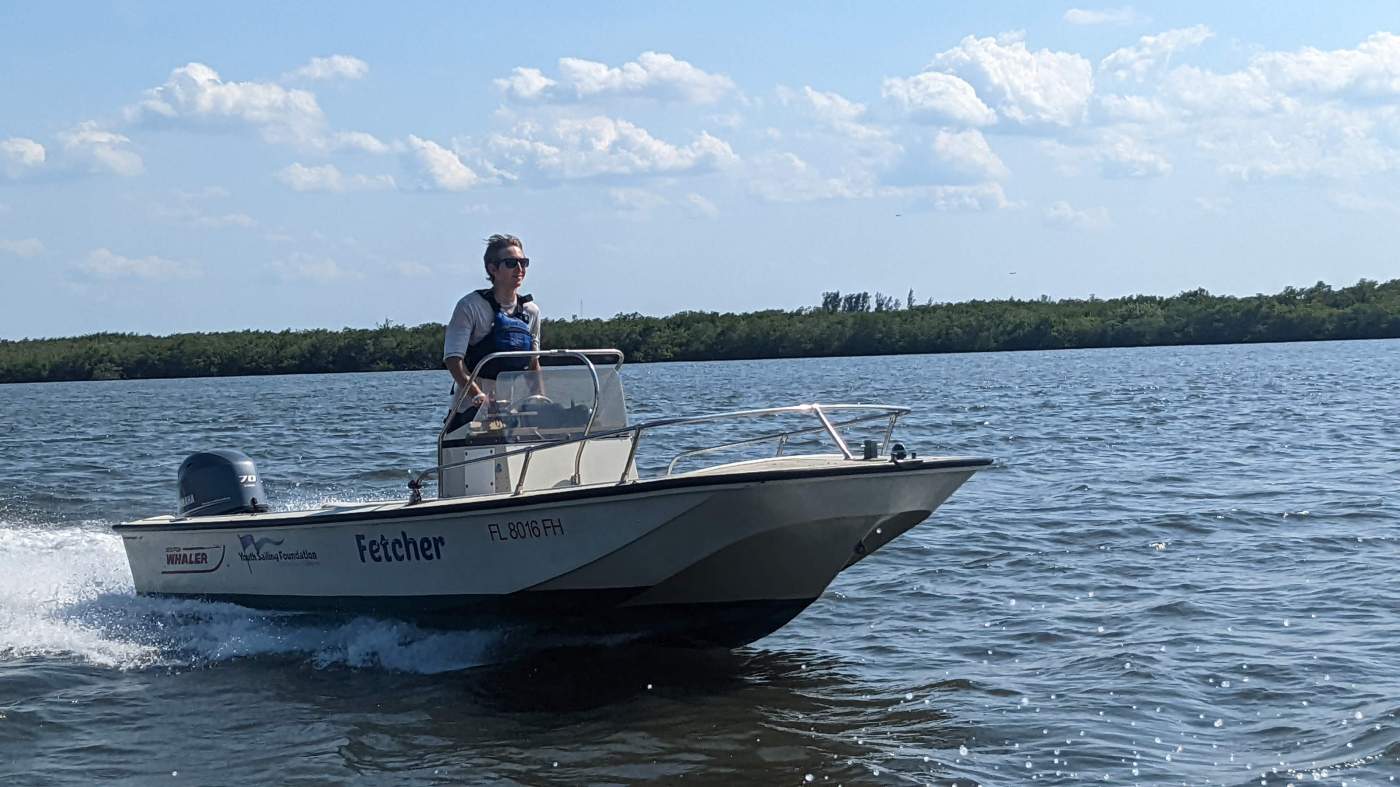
x=495 y=243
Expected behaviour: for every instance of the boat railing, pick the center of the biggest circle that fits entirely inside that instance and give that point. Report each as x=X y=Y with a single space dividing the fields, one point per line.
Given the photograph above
x=583 y=355
x=822 y=412
x=586 y=356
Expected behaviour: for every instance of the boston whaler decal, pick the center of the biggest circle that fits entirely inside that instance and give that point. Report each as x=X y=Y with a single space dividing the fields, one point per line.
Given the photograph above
x=546 y=527
x=399 y=549
x=193 y=560
x=257 y=550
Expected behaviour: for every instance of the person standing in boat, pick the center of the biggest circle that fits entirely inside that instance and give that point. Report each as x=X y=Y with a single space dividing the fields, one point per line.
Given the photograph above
x=494 y=319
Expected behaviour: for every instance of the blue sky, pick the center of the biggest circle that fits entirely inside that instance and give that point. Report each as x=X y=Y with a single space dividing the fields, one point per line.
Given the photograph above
x=166 y=168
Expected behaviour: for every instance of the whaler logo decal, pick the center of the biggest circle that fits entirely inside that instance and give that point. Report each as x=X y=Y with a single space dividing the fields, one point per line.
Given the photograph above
x=192 y=560
x=257 y=550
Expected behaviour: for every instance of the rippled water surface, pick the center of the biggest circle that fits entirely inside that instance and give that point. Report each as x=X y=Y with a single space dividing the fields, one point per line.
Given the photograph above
x=1183 y=570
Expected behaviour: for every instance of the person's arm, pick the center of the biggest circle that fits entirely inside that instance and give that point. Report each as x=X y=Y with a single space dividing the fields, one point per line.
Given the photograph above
x=536 y=379
x=454 y=346
x=460 y=375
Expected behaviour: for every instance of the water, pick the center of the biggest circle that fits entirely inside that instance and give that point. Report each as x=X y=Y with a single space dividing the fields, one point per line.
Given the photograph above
x=1183 y=571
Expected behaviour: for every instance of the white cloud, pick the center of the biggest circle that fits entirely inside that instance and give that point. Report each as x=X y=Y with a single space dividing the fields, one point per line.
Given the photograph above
x=27 y=247
x=785 y=177
x=1069 y=159
x=20 y=156
x=1123 y=15
x=357 y=140
x=730 y=120
x=1256 y=129
x=936 y=97
x=953 y=171
x=1309 y=141
x=412 y=269
x=86 y=147
x=834 y=111
x=315 y=178
x=526 y=84
x=195 y=96
x=437 y=168
x=1288 y=81
x=306 y=267
x=575 y=148
x=1042 y=88
x=1133 y=109
x=979 y=197
x=700 y=206
x=188 y=214
x=1154 y=51
x=1206 y=94
x=1122 y=156
x=1361 y=203
x=333 y=67
x=106 y=264
x=208 y=192
x=189 y=209
x=327 y=177
x=830 y=107
x=654 y=75
x=100 y=150
x=1303 y=114
x=195 y=93
x=1062 y=215
x=1370 y=71
x=1113 y=152
x=967 y=154
x=950 y=158
x=1216 y=205
x=225 y=220
x=635 y=202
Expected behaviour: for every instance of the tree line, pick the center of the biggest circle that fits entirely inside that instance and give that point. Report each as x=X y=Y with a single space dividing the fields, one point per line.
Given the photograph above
x=840 y=325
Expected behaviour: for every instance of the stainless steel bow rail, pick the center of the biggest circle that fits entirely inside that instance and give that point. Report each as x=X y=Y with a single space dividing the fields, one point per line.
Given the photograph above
x=889 y=413
x=886 y=411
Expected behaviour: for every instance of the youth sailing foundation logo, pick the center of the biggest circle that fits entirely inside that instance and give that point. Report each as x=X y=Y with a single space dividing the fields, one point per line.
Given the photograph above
x=255 y=545
x=258 y=550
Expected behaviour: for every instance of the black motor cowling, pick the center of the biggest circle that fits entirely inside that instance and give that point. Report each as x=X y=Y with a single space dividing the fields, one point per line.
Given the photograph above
x=218 y=482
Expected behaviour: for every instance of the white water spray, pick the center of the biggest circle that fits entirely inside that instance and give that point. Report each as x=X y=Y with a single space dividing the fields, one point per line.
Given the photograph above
x=68 y=593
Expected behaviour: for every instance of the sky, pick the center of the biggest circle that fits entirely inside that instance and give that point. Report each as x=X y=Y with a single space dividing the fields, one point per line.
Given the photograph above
x=172 y=167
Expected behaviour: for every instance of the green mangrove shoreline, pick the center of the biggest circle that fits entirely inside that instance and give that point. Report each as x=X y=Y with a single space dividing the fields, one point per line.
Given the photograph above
x=843 y=325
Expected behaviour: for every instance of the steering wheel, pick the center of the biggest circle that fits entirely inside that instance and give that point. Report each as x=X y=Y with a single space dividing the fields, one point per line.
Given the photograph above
x=537 y=400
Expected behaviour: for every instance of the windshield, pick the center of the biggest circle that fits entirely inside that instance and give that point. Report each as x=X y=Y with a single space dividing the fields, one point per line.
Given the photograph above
x=553 y=403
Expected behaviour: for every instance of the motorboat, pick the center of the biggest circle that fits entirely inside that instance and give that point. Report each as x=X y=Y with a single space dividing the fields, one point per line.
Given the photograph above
x=544 y=518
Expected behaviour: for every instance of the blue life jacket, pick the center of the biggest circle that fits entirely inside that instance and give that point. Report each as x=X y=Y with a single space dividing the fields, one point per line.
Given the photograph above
x=509 y=331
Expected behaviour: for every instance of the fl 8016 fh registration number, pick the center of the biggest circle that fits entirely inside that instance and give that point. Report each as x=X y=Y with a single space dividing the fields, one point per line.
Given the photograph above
x=525 y=529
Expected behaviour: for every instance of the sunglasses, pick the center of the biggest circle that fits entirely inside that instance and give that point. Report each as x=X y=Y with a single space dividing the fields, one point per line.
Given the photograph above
x=513 y=262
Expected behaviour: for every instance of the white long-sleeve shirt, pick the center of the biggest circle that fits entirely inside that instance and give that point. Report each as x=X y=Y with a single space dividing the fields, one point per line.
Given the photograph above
x=472 y=320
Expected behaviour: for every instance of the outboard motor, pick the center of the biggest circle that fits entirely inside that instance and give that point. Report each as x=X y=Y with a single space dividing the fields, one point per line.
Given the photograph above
x=218 y=482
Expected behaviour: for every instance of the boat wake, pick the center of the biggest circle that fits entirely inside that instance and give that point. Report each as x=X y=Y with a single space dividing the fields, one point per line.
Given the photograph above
x=67 y=592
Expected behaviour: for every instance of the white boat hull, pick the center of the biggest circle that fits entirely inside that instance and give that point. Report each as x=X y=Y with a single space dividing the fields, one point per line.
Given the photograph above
x=720 y=557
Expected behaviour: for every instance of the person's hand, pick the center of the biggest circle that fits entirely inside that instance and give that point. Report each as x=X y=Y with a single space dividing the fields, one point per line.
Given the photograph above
x=474 y=397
